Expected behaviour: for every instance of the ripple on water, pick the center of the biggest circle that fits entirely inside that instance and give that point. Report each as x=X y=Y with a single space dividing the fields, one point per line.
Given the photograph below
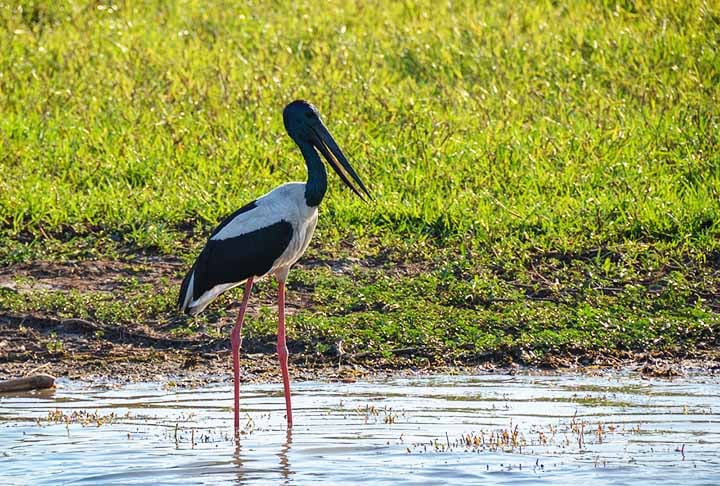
x=522 y=429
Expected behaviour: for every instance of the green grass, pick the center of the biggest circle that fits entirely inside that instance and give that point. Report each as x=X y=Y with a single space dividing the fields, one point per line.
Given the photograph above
x=525 y=158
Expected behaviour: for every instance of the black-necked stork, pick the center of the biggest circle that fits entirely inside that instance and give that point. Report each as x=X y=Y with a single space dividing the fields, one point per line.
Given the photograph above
x=268 y=235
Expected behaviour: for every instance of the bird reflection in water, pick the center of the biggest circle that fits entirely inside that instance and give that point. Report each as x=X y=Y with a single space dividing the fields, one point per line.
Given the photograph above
x=283 y=455
x=285 y=471
x=237 y=459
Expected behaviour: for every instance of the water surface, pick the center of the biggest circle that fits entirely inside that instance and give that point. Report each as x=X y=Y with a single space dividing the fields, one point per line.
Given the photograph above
x=522 y=429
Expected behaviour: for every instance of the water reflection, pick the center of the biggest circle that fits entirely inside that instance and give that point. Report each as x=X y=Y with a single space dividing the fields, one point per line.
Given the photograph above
x=238 y=461
x=283 y=455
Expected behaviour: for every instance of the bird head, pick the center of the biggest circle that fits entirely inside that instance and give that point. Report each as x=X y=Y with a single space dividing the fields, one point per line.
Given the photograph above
x=303 y=124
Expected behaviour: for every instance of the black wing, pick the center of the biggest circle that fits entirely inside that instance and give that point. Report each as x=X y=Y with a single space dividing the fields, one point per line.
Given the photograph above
x=233 y=260
x=223 y=223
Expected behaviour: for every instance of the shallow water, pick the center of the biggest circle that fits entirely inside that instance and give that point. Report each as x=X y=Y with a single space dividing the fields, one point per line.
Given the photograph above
x=521 y=429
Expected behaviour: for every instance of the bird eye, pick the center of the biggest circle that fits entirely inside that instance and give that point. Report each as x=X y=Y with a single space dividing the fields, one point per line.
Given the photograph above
x=309 y=114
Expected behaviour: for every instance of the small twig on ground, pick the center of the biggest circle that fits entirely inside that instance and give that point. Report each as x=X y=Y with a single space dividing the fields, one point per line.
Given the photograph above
x=38 y=368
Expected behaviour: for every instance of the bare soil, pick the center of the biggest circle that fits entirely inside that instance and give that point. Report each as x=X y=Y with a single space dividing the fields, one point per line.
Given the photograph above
x=129 y=353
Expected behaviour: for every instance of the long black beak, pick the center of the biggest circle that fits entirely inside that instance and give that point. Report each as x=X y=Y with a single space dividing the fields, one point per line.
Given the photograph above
x=332 y=153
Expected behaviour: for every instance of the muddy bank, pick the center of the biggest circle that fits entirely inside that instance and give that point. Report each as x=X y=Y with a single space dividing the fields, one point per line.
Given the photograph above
x=132 y=332
x=80 y=349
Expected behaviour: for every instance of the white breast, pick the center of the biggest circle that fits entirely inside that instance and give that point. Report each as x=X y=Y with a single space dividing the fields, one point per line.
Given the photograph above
x=303 y=219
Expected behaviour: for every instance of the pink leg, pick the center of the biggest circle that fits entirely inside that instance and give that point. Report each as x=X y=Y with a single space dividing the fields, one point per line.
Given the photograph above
x=283 y=351
x=235 y=343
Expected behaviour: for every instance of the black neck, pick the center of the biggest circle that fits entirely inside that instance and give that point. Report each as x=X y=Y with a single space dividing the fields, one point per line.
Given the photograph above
x=317 y=175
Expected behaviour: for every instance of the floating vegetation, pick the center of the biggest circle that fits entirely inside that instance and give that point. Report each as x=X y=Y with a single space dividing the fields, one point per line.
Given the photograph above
x=193 y=436
x=373 y=414
x=82 y=417
x=576 y=433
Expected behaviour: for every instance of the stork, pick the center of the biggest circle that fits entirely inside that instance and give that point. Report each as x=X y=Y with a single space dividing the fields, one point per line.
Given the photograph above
x=267 y=236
